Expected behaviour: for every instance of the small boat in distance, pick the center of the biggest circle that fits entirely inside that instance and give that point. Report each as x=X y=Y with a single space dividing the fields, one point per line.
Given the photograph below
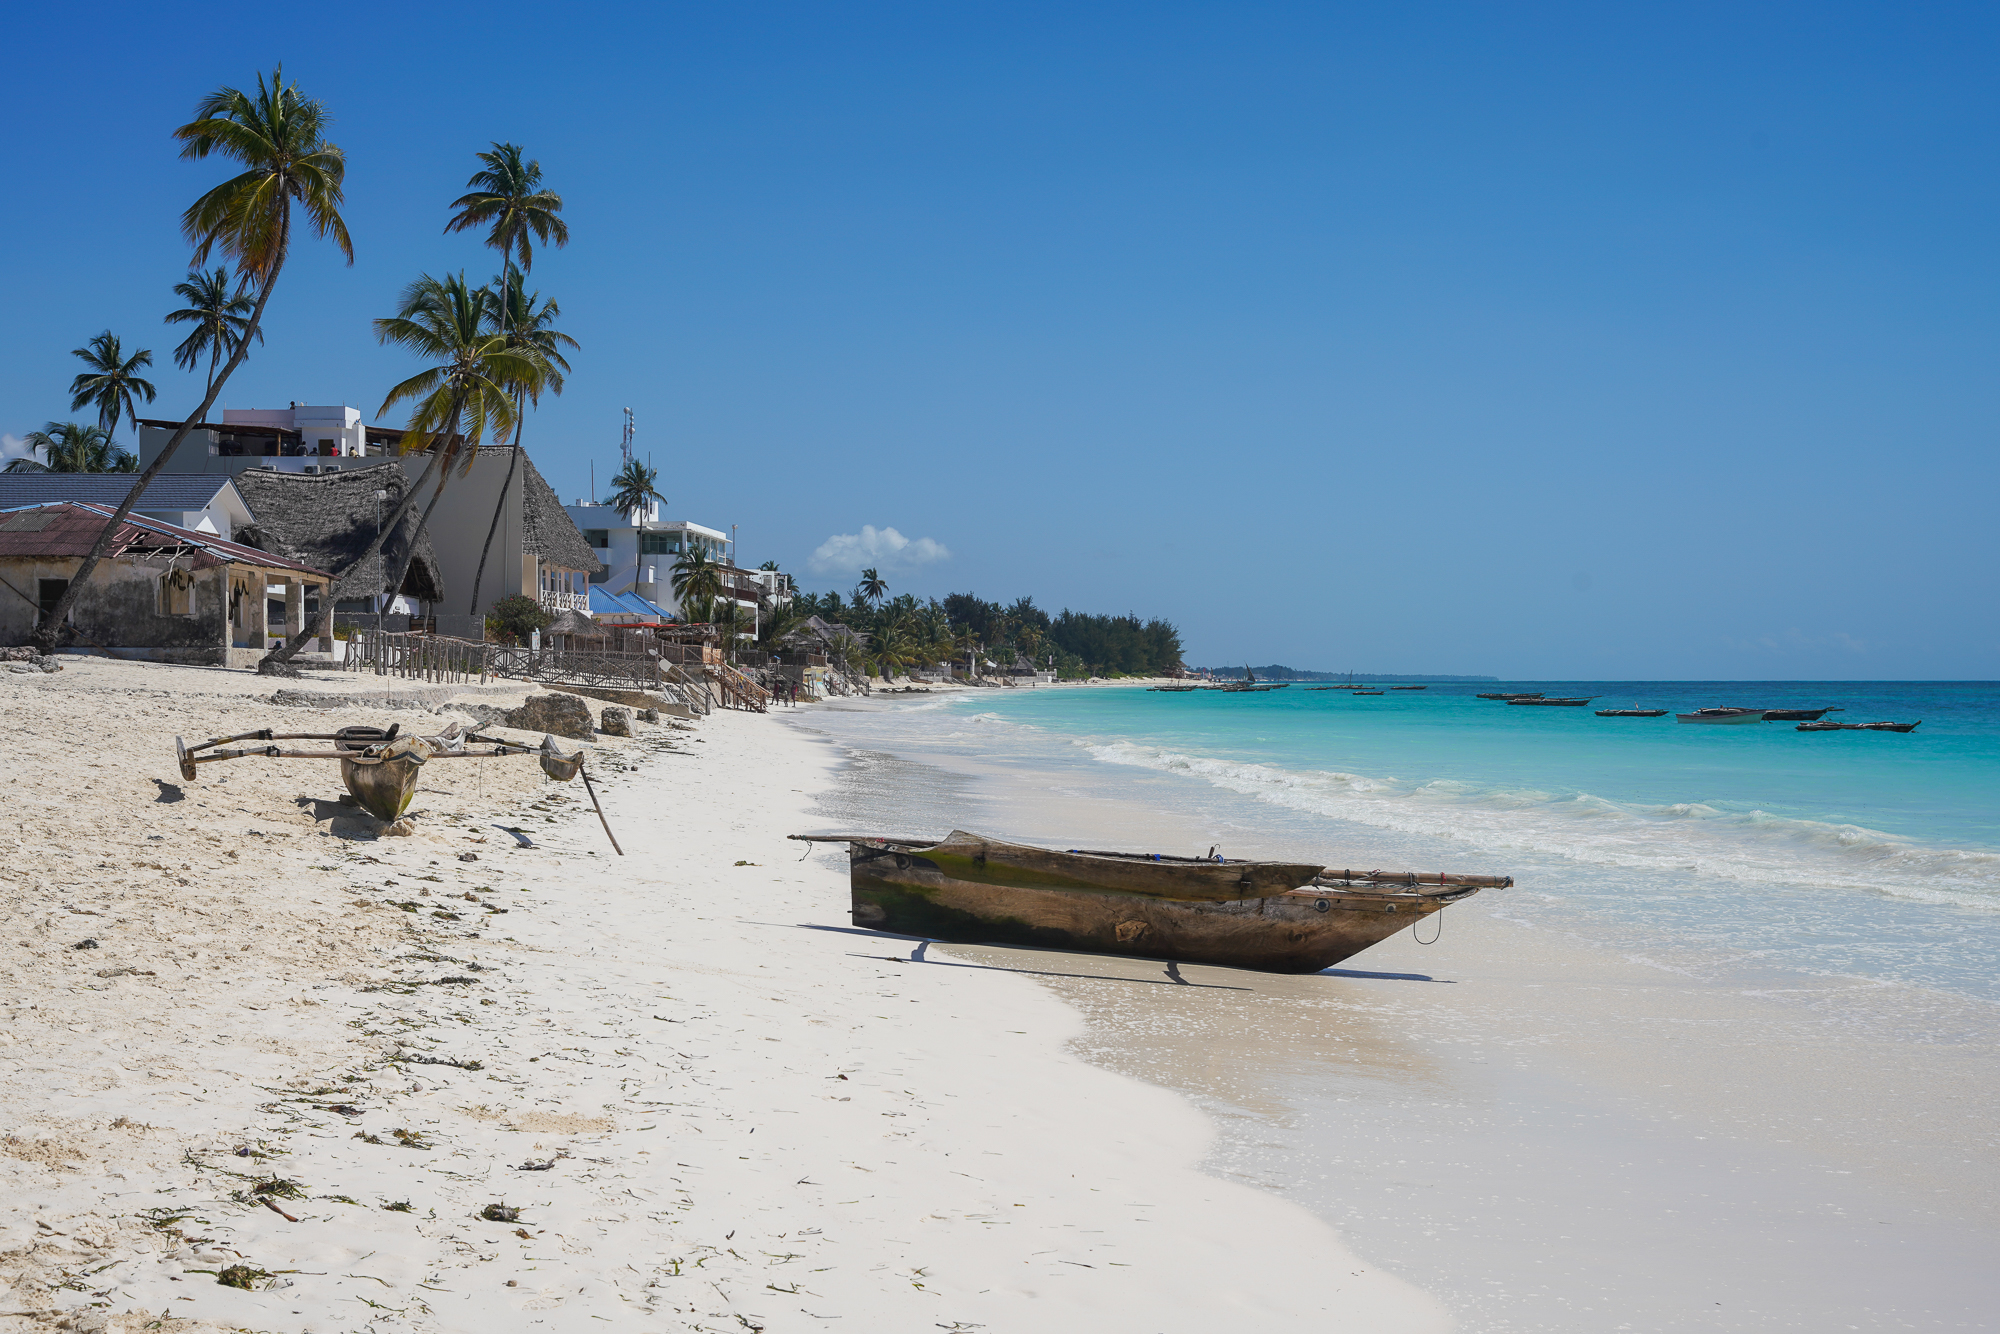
x=1797 y=715
x=1174 y=690
x=1368 y=692
x=1631 y=713
x=1409 y=687
x=1279 y=917
x=1536 y=695
x=1562 y=703
x=1722 y=716
x=1859 y=727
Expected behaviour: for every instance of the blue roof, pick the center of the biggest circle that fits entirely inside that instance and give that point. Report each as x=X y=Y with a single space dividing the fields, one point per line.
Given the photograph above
x=170 y=490
x=603 y=602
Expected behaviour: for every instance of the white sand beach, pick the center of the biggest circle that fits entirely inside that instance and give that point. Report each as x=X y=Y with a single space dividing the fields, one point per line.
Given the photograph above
x=553 y=1087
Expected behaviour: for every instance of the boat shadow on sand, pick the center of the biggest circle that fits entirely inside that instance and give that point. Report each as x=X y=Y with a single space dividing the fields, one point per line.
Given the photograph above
x=1171 y=977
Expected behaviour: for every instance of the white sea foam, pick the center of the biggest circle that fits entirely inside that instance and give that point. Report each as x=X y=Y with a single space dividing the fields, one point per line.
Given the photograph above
x=1748 y=847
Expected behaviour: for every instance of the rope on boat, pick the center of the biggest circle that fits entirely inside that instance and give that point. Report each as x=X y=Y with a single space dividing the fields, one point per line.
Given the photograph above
x=1439 y=914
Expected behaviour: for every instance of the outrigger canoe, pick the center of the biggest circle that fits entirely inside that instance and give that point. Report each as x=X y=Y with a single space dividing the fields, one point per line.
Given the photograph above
x=1280 y=917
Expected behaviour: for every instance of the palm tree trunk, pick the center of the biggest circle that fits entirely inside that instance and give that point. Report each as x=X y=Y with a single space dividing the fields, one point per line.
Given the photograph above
x=499 y=506
x=395 y=585
x=49 y=632
x=273 y=663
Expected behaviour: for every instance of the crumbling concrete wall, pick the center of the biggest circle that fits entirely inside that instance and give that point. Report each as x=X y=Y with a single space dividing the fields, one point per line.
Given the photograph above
x=122 y=607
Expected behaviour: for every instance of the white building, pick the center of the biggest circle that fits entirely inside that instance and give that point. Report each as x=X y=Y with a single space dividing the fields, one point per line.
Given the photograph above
x=639 y=550
x=298 y=438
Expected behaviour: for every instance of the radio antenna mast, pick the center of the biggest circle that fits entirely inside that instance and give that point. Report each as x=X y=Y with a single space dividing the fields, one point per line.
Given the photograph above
x=625 y=446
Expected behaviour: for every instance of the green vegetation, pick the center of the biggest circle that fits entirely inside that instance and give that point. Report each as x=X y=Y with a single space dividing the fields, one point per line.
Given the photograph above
x=221 y=319
x=513 y=619
x=74 y=447
x=901 y=632
x=635 y=486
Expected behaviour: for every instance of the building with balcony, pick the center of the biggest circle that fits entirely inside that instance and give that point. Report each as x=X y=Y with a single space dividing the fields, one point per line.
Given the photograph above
x=638 y=551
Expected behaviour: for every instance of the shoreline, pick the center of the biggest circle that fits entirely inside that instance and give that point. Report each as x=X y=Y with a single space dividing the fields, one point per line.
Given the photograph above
x=1541 y=1129
x=712 y=1102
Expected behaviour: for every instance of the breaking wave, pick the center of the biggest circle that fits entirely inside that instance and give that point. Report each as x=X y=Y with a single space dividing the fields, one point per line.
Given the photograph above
x=1749 y=847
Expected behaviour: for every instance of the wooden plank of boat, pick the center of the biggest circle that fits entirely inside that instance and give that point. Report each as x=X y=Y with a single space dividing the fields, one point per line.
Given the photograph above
x=1722 y=716
x=1797 y=715
x=898 y=886
x=1409 y=687
x=1631 y=713
x=1536 y=695
x=1367 y=692
x=973 y=859
x=1560 y=703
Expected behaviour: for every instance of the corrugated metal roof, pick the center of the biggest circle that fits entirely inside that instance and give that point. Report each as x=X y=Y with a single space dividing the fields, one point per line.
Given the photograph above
x=169 y=491
x=603 y=602
x=70 y=528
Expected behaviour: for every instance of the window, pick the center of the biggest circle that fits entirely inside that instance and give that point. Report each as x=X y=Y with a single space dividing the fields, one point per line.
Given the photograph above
x=659 y=544
x=599 y=538
x=50 y=591
x=177 y=593
x=329 y=448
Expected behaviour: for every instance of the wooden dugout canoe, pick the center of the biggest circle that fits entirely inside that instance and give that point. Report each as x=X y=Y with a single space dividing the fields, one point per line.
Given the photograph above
x=1273 y=916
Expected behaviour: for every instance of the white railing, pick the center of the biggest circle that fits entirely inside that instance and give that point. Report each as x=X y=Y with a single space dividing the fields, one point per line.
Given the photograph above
x=566 y=602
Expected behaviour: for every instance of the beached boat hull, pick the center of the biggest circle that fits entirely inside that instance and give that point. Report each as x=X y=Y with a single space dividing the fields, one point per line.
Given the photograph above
x=900 y=889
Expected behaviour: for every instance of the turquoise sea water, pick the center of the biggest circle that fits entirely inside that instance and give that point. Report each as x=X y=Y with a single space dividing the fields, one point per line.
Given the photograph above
x=1858 y=853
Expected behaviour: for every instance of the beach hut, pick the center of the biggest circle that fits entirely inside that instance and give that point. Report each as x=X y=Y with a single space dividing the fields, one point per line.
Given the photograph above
x=162 y=592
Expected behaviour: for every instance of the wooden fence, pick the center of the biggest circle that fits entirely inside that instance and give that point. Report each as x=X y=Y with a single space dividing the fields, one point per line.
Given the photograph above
x=442 y=660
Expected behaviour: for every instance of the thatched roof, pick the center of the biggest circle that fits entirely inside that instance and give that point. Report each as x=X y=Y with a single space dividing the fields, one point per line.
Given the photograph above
x=327 y=520
x=813 y=630
x=573 y=622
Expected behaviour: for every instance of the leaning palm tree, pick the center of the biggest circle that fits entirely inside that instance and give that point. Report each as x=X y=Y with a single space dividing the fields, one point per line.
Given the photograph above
x=871 y=587
x=279 y=135
x=466 y=394
x=112 y=383
x=221 y=319
x=74 y=447
x=528 y=324
x=633 y=487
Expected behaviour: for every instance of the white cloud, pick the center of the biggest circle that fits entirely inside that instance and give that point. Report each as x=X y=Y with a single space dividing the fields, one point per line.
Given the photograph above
x=881 y=548
x=13 y=447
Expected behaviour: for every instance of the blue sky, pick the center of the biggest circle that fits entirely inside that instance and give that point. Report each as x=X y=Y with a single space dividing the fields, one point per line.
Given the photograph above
x=1540 y=340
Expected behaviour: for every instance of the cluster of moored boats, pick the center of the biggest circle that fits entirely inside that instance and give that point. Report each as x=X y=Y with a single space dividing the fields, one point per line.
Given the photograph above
x=1808 y=720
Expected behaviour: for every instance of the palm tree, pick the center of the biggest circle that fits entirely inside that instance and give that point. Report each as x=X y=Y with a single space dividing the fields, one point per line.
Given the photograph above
x=279 y=135
x=510 y=196
x=775 y=620
x=872 y=586
x=468 y=393
x=221 y=320
x=112 y=382
x=633 y=487
x=696 y=577
x=528 y=328
x=74 y=447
